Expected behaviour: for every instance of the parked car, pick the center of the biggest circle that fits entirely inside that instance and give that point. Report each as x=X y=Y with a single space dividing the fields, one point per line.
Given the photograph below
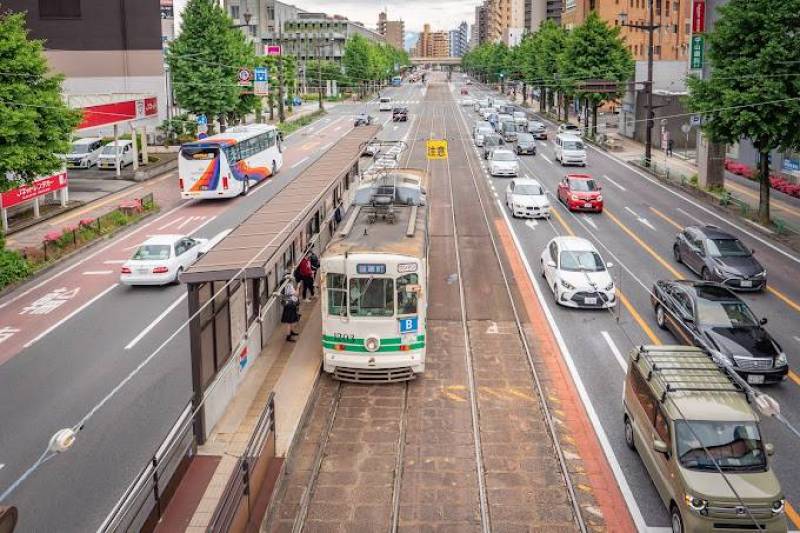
x=491 y=141
x=577 y=274
x=503 y=162
x=526 y=198
x=712 y=317
x=570 y=128
x=537 y=129
x=400 y=114
x=715 y=255
x=122 y=149
x=697 y=434
x=569 y=150
x=362 y=119
x=580 y=192
x=84 y=153
x=161 y=258
x=526 y=144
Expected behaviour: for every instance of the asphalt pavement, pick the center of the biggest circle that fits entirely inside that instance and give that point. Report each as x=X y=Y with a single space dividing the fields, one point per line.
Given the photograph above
x=70 y=337
x=636 y=232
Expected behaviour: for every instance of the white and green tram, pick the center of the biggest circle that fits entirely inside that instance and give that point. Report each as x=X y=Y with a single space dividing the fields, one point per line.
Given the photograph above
x=374 y=275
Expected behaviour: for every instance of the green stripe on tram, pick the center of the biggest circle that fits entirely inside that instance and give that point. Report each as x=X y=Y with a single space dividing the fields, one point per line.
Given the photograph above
x=391 y=344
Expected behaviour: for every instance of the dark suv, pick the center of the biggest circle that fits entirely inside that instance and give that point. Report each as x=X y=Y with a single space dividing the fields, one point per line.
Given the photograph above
x=715 y=255
x=399 y=114
x=711 y=316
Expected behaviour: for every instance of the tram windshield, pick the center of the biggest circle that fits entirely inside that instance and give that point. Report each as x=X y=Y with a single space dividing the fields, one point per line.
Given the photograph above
x=371 y=297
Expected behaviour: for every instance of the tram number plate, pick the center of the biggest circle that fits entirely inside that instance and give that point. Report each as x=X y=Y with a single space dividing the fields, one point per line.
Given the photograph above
x=344 y=336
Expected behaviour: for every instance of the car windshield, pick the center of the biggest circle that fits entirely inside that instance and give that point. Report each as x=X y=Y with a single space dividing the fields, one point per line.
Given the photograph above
x=80 y=149
x=570 y=127
x=492 y=140
x=727 y=248
x=725 y=314
x=509 y=125
x=581 y=261
x=111 y=149
x=582 y=185
x=152 y=252
x=199 y=153
x=528 y=190
x=523 y=138
x=497 y=155
x=731 y=445
x=485 y=130
x=573 y=145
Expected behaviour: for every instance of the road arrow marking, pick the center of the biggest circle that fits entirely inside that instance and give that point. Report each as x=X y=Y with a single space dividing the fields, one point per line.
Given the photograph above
x=531 y=223
x=640 y=219
x=589 y=221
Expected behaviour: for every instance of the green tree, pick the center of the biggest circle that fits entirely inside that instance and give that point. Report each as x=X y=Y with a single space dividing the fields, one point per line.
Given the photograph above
x=356 y=62
x=595 y=51
x=753 y=91
x=546 y=45
x=35 y=123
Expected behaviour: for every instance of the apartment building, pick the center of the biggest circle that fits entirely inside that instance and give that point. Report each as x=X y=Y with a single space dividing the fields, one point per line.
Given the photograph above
x=504 y=20
x=459 y=40
x=393 y=31
x=432 y=43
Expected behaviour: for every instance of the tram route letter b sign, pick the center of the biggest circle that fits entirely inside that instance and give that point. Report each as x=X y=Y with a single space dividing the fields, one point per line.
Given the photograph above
x=436 y=148
x=409 y=324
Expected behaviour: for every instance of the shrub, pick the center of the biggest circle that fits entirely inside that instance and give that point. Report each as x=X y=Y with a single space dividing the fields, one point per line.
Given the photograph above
x=13 y=267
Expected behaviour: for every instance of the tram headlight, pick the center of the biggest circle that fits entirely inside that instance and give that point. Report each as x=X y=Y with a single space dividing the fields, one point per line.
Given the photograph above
x=372 y=343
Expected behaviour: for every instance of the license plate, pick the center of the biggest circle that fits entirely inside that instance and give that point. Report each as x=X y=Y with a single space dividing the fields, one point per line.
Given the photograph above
x=590 y=301
x=755 y=379
x=141 y=271
x=587 y=205
x=746 y=283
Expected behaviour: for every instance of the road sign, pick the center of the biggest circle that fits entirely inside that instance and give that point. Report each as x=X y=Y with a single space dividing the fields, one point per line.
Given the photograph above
x=261 y=85
x=698 y=16
x=686 y=128
x=272 y=49
x=202 y=120
x=245 y=77
x=697 y=52
x=436 y=148
x=695 y=120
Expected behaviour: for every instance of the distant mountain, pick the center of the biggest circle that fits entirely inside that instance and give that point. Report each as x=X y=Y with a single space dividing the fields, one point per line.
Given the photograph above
x=411 y=39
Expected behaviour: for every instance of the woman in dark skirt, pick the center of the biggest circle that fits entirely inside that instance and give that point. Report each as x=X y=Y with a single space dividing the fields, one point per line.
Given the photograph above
x=291 y=303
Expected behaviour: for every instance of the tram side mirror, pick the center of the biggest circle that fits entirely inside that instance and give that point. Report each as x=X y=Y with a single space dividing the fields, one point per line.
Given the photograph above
x=660 y=446
x=769 y=448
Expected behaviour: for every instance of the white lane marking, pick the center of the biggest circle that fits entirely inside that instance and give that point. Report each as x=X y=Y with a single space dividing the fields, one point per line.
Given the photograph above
x=2 y=465
x=546 y=159
x=115 y=262
x=692 y=217
x=614 y=349
x=337 y=128
x=69 y=316
x=796 y=339
x=542 y=144
x=300 y=162
x=589 y=221
x=620 y=187
x=97 y=272
x=640 y=219
x=171 y=222
x=532 y=223
x=187 y=221
x=155 y=322
x=326 y=146
x=708 y=211
x=195 y=230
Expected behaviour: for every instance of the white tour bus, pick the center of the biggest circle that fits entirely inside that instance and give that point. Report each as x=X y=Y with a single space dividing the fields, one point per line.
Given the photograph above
x=228 y=164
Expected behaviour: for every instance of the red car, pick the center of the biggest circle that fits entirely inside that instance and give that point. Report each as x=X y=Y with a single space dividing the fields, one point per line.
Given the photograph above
x=464 y=90
x=580 y=192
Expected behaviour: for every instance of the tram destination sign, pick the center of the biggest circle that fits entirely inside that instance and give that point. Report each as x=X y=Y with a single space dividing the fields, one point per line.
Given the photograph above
x=371 y=268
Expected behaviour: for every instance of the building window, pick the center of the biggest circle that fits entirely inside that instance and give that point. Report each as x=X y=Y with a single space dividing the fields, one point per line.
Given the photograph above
x=657 y=50
x=235 y=12
x=59 y=9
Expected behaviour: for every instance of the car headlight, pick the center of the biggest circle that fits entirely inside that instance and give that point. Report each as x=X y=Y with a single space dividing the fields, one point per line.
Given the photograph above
x=697 y=505
x=762 y=274
x=545 y=206
x=574 y=197
x=781 y=360
x=778 y=506
x=372 y=344
x=609 y=286
x=599 y=197
x=567 y=285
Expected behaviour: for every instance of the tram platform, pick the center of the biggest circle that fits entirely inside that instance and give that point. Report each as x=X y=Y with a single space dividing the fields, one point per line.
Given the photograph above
x=290 y=371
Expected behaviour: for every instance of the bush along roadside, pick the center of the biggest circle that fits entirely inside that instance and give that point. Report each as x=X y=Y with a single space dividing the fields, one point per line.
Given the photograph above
x=288 y=127
x=16 y=266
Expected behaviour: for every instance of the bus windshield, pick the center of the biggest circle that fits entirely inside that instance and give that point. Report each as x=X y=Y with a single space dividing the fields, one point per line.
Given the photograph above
x=371 y=297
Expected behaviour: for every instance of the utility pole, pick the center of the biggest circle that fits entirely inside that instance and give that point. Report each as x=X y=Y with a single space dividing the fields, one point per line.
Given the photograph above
x=319 y=76
x=281 y=113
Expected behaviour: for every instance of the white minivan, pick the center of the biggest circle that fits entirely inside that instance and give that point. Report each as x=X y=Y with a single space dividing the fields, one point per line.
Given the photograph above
x=108 y=155
x=385 y=104
x=569 y=150
x=84 y=152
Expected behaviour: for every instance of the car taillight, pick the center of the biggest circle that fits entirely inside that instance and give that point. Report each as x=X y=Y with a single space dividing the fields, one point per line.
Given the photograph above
x=160 y=270
x=225 y=182
x=125 y=270
x=180 y=183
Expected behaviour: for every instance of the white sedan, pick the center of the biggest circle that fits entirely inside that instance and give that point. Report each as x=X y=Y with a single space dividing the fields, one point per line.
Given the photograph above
x=526 y=198
x=576 y=274
x=503 y=162
x=468 y=102
x=161 y=259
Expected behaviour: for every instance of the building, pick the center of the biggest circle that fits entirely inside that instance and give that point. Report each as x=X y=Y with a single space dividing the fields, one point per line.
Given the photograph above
x=481 y=24
x=535 y=14
x=393 y=31
x=553 y=10
x=103 y=48
x=432 y=44
x=504 y=20
x=459 y=40
x=671 y=39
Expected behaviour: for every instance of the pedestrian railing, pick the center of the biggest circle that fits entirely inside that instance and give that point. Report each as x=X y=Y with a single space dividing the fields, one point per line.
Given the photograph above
x=143 y=503
x=235 y=507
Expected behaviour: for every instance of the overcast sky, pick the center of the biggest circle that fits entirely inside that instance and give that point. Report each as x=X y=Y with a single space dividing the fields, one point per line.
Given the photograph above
x=440 y=14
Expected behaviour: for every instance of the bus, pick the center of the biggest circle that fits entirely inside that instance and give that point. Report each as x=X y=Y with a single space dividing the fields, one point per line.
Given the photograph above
x=396 y=81
x=228 y=164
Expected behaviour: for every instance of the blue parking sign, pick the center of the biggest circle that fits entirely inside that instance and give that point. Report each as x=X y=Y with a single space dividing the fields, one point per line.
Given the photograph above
x=409 y=324
x=260 y=73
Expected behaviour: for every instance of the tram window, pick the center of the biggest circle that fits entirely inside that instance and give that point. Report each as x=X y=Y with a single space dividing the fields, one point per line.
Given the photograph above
x=337 y=294
x=406 y=301
x=371 y=297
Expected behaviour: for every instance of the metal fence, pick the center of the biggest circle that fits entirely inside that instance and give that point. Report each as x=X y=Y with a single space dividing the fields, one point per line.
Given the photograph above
x=235 y=506
x=141 y=505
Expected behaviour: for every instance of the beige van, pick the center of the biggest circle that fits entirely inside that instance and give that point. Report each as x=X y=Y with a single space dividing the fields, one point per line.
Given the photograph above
x=698 y=435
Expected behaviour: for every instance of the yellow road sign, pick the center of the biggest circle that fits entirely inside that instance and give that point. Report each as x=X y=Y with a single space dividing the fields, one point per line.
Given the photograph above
x=437 y=148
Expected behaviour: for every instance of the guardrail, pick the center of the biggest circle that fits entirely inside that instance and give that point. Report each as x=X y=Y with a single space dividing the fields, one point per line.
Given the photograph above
x=235 y=506
x=141 y=505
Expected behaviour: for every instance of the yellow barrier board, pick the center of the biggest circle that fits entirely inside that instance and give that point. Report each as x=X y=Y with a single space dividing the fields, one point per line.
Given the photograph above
x=437 y=149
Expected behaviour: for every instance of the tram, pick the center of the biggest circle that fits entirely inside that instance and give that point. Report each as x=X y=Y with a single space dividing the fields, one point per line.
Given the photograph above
x=374 y=276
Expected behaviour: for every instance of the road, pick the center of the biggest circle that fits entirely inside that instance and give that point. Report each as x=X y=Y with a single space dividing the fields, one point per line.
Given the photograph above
x=636 y=232
x=68 y=339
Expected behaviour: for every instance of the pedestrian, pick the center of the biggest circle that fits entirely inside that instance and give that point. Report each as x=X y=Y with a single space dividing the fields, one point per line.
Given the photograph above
x=291 y=303
x=670 y=144
x=314 y=260
x=306 y=273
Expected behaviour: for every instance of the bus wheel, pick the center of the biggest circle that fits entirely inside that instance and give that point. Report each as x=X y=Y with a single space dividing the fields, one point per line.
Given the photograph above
x=274 y=168
x=246 y=185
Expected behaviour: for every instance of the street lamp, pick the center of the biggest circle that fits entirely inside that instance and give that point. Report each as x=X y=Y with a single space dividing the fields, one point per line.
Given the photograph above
x=650 y=27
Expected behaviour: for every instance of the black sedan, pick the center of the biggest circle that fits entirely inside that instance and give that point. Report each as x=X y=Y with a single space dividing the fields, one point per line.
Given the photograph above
x=399 y=114
x=715 y=255
x=712 y=317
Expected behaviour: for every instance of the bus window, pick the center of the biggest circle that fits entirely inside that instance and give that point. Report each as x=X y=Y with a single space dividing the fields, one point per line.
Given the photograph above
x=337 y=294
x=371 y=297
x=232 y=154
x=406 y=300
x=199 y=153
